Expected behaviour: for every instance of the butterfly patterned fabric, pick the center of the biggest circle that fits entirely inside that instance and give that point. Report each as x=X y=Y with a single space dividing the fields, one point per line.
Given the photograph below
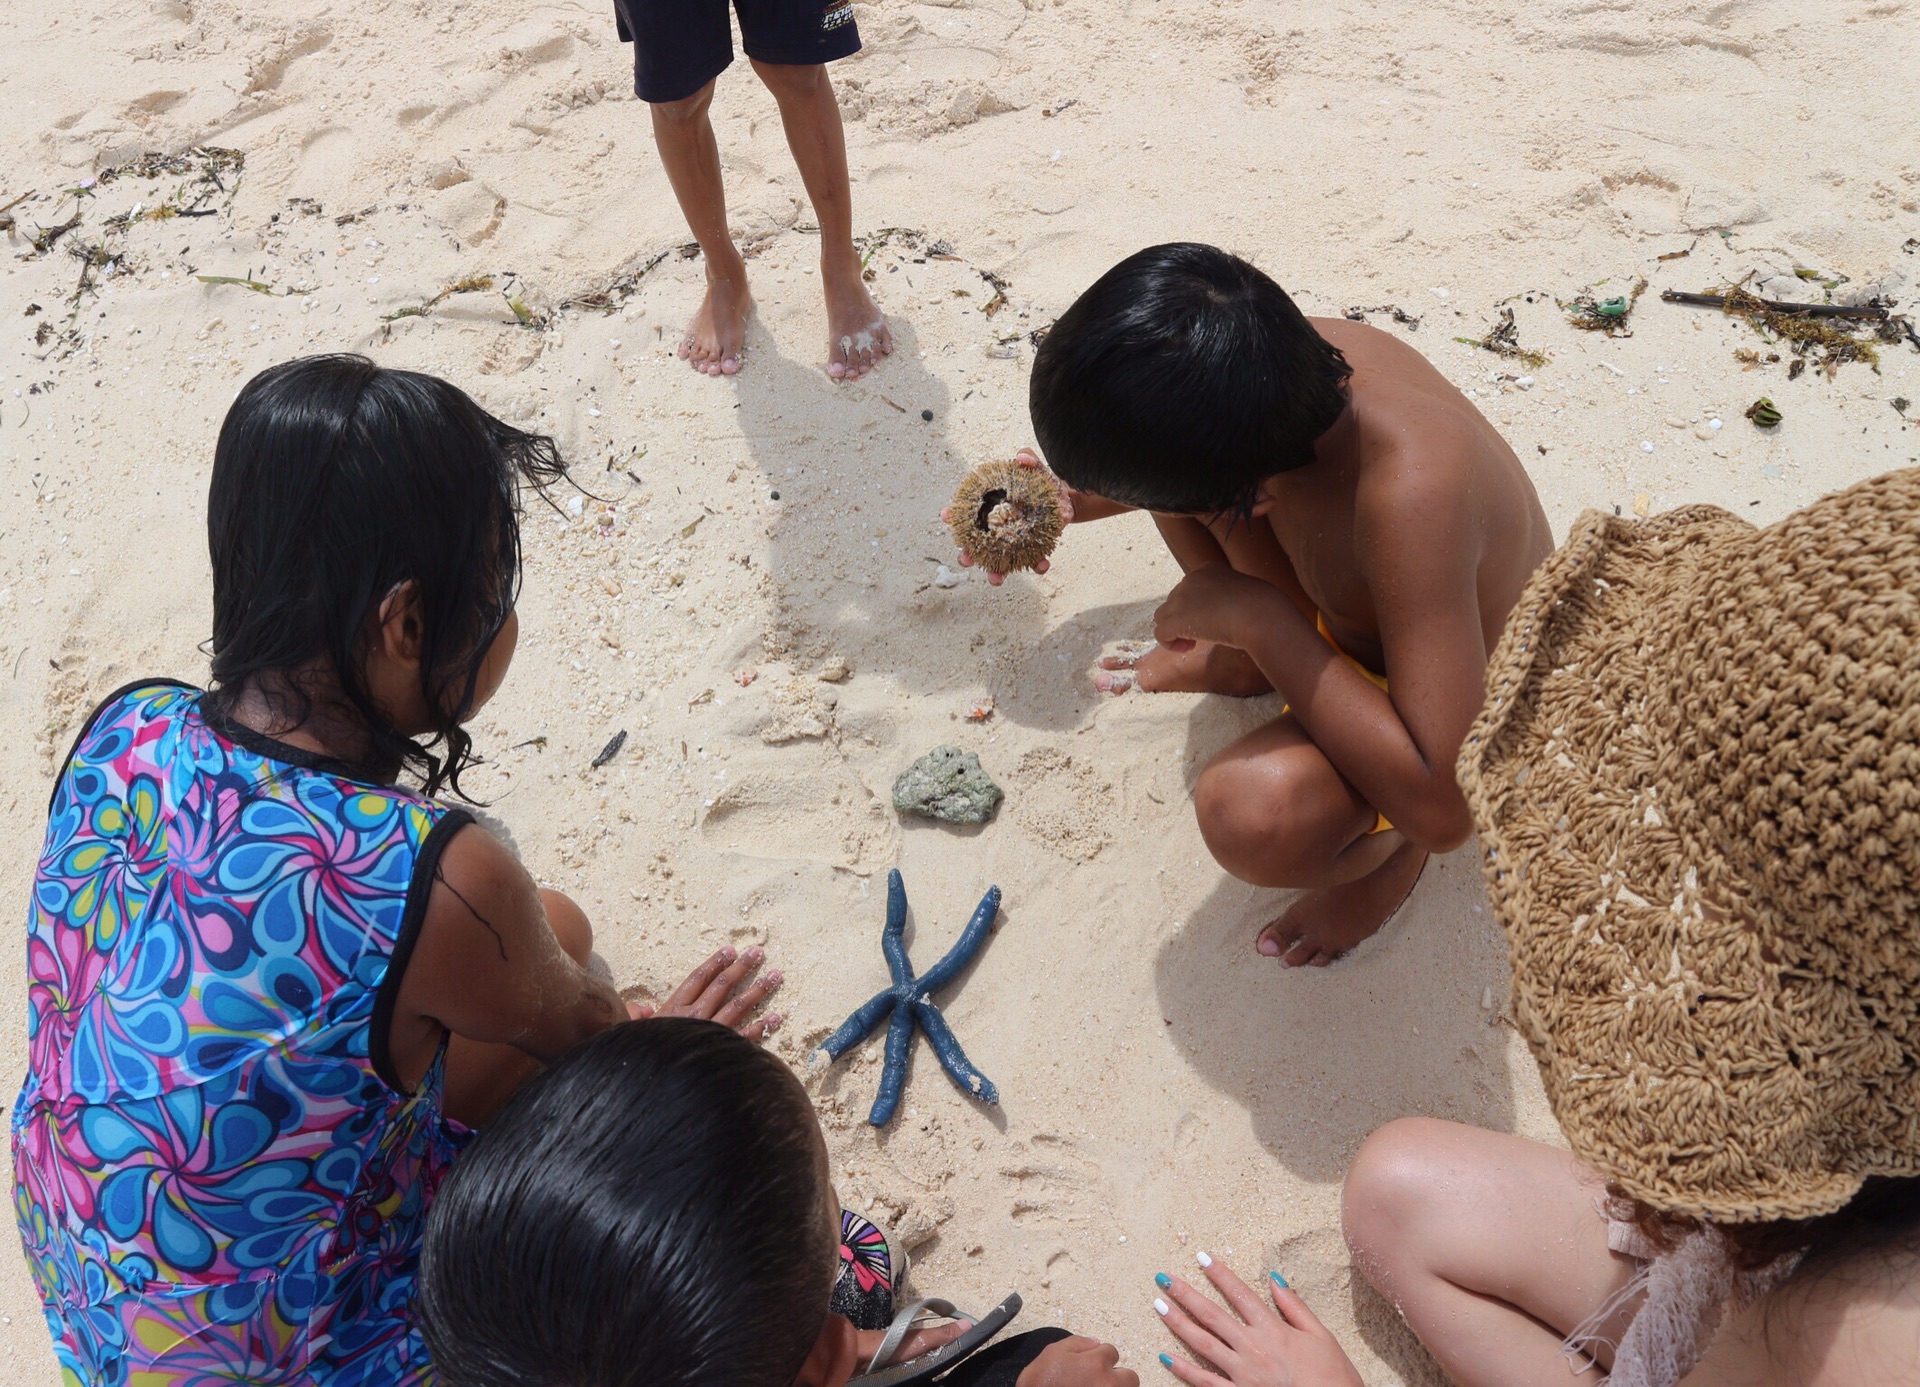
x=217 y=1177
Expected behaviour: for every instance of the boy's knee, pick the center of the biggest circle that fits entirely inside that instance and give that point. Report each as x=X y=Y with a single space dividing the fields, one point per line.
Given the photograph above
x=569 y=924
x=1246 y=827
x=1392 y=1182
x=792 y=79
x=685 y=111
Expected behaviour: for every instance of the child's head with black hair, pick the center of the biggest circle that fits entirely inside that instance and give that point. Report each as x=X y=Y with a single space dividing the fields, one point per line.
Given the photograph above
x=653 y=1209
x=355 y=512
x=1182 y=380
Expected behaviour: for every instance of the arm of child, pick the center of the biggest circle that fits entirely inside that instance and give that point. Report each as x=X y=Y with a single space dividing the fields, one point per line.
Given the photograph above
x=486 y=964
x=1417 y=551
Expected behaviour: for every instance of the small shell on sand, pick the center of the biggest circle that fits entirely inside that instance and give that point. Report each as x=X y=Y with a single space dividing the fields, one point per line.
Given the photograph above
x=1007 y=516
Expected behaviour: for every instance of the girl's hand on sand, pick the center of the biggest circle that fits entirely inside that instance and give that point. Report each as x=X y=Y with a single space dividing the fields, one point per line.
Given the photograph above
x=918 y=1342
x=1282 y=1344
x=1026 y=458
x=1077 y=1362
x=712 y=992
x=1213 y=603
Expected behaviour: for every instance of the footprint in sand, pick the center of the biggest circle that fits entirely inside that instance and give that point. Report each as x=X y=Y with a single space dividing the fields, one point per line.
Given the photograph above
x=782 y=813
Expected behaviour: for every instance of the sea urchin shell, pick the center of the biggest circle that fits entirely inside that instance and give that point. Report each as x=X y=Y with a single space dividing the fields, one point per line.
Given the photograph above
x=1007 y=516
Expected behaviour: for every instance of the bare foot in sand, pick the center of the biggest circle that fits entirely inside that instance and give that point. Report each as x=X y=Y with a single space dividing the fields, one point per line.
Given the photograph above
x=1155 y=668
x=716 y=339
x=857 y=335
x=1323 y=926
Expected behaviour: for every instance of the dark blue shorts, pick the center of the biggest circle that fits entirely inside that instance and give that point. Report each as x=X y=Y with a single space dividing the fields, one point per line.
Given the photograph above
x=681 y=45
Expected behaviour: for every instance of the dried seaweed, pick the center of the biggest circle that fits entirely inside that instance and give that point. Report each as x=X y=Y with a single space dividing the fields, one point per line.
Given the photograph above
x=1503 y=339
x=472 y=284
x=1808 y=329
x=623 y=287
x=50 y=236
x=1610 y=315
x=247 y=281
x=1358 y=314
x=205 y=171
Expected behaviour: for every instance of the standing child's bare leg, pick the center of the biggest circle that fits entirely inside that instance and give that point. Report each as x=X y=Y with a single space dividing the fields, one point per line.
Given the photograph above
x=1493 y=1247
x=683 y=131
x=1275 y=812
x=857 y=334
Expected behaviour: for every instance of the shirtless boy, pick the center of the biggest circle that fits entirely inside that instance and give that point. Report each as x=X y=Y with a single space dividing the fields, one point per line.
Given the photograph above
x=680 y=47
x=1353 y=534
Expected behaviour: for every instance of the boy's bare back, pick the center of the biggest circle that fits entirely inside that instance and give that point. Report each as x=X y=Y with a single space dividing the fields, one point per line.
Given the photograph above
x=1426 y=455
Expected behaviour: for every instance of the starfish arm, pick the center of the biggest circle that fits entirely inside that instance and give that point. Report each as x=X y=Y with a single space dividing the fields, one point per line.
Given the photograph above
x=952 y=1058
x=893 y=1076
x=859 y=1026
x=971 y=938
x=893 y=938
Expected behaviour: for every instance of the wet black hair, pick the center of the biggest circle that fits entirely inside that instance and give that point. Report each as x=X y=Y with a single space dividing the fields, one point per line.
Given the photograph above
x=654 y=1209
x=335 y=481
x=1181 y=381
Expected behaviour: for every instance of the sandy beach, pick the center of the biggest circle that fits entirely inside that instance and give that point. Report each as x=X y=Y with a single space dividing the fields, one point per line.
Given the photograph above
x=746 y=580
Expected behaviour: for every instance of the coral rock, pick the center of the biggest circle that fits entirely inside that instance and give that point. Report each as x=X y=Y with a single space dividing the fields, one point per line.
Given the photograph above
x=947 y=784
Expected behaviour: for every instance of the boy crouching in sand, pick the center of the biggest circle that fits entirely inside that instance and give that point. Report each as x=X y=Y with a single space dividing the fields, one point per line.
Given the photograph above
x=1353 y=533
x=656 y=1208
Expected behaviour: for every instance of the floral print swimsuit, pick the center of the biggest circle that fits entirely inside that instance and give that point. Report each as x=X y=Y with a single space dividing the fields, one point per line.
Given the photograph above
x=218 y=1176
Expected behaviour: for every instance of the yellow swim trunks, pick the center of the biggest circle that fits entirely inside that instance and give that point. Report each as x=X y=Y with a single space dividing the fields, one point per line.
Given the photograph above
x=1379 y=681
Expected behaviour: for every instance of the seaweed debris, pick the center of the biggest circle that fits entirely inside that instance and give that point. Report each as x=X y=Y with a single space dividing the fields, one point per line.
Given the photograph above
x=614 y=295
x=247 y=281
x=1591 y=314
x=1808 y=329
x=204 y=171
x=1503 y=339
x=472 y=284
x=1358 y=314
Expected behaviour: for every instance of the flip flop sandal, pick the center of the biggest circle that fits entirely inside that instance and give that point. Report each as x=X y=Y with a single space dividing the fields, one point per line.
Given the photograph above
x=930 y=1365
x=870 y=1272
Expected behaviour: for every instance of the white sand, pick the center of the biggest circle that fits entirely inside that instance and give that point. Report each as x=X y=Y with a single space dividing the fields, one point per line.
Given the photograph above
x=1165 y=1090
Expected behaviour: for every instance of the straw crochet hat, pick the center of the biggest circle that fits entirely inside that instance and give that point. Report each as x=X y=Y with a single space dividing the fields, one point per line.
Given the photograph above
x=1697 y=782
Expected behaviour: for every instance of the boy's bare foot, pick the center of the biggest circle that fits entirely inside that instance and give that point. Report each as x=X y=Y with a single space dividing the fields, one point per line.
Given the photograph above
x=857 y=335
x=716 y=339
x=1155 y=668
x=1323 y=926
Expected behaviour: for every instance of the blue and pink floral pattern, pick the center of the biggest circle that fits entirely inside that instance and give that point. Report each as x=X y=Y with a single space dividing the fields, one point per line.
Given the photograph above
x=214 y=1182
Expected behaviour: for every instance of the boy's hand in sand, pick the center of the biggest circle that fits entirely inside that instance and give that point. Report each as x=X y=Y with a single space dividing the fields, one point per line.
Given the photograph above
x=1071 y=502
x=1259 y=1344
x=1216 y=604
x=1077 y=1362
x=712 y=992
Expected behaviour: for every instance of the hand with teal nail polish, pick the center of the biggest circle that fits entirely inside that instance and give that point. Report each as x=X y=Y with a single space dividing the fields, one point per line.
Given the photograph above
x=1271 y=1341
x=1162 y=1280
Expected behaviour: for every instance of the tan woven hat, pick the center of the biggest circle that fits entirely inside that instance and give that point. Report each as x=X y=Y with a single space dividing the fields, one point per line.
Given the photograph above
x=1697 y=782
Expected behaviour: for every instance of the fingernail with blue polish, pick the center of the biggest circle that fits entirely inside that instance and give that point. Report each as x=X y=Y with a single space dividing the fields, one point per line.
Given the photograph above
x=1162 y=1280
x=1278 y=1279
x=1165 y=1361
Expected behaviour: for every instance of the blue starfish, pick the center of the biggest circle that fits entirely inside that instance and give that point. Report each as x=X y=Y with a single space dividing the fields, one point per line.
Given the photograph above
x=910 y=999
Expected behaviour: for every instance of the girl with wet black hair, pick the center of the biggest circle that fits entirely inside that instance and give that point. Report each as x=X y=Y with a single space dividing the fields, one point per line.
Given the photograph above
x=271 y=986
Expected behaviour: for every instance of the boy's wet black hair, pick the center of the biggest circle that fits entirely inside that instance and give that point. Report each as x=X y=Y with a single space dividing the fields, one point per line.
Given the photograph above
x=335 y=481
x=653 y=1209
x=1181 y=381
